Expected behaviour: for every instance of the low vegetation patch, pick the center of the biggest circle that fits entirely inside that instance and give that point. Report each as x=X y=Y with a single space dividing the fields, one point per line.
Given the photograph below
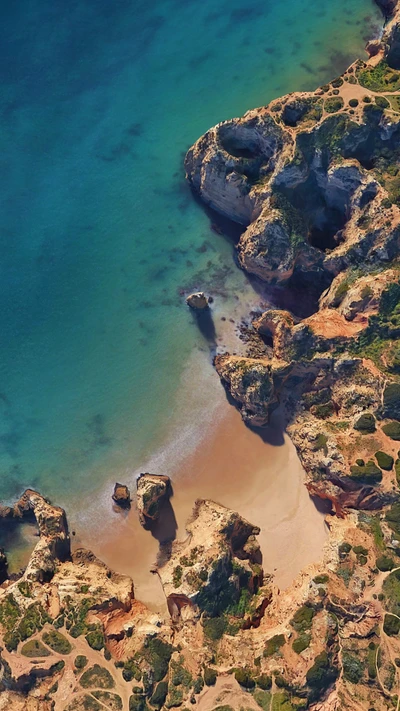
x=301 y=643
x=391 y=625
x=385 y=461
x=57 y=642
x=380 y=78
x=333 y=104
x=302 y=618
x=367 y=474
x=392 y=430
x=366 y=424
x=97 y=677
x=34 y=648
x=273 y=645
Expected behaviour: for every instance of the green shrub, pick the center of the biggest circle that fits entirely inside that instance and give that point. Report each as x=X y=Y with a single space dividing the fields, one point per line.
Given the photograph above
x=360 y=462
x=333 y=104
x=393 y=518
x=95 y=639
x=264 y=681
x=366 y=423
x=353 y=103
x=368 y=474
x=353 y=669
x=371 y=662
x=302 y=618
x=210 y=676
x=379 y=77
x=34 y=648
x=301 y=643
x=273 y=645
x=158 y=654
x=160 y=694
x=245 y=678
x=131 y=670
x=137 y=702
x=57 y=642
x=344 y=549
x=384 y=563
x=214 y=627
x=385 y=461
x=392 y=430
x=391 y=394
x=262 y=699
x=97 y=676
x=320 y=676
x=321 y=579
x=397 y=470
x=360 y=550
x=80 y=661
x=391 y=625
x=177 y=576
x=382 y=102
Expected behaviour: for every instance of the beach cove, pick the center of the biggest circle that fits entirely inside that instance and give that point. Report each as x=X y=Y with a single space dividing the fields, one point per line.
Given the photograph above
x=102 y=237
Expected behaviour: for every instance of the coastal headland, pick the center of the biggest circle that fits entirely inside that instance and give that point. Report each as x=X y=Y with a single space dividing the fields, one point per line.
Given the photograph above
x=313 y=180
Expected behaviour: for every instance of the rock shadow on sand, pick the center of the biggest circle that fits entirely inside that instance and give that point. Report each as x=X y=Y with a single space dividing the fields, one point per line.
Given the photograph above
x=165 y=527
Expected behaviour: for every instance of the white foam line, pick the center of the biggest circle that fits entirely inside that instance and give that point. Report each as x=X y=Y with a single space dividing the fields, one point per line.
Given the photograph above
x=195 y=413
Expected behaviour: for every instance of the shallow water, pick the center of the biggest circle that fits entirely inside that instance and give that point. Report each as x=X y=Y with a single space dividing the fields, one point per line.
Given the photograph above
x=99 y=232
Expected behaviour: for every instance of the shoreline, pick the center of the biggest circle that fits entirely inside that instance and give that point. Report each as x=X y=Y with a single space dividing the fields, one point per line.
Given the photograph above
x=234 y=467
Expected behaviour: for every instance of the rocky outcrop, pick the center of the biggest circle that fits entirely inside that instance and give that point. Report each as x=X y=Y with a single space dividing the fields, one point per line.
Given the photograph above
x=54 y=541
x=297 y=174
x=122 y=496
x=353 y=295
x=207 y=570
x=152 y=491
x=250 y=383
x=197 y=301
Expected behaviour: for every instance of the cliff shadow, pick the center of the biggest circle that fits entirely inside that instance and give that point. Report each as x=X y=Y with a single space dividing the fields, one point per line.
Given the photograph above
x=273 y=433
x=165 y=528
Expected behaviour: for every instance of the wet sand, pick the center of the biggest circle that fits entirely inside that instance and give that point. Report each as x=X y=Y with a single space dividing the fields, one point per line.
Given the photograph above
x=263 y=481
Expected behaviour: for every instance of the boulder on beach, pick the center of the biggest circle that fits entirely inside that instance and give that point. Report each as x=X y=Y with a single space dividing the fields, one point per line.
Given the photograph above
x=122 y=496
x=197 y=301
x=152 y=491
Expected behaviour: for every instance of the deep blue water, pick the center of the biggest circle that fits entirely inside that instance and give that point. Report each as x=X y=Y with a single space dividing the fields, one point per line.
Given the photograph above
x=98 y=230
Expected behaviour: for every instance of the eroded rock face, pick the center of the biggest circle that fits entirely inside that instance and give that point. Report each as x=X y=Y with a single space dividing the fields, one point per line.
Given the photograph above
x=200 y=573
x=250 y=383
x=353 y=296
x=197 y=301
x=122 y=496
x=152 y=491
x=300 y=181
x=54 y=540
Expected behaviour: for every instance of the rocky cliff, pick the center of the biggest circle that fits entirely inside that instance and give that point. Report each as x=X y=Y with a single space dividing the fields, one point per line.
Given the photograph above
x=313 y=180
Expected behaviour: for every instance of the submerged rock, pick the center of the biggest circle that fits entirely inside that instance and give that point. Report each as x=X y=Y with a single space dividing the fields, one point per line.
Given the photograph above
x=197 y=301
x=122 y=496
x=152 y=491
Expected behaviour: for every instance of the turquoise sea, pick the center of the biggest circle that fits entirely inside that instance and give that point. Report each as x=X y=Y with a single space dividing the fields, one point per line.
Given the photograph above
x=99 y=232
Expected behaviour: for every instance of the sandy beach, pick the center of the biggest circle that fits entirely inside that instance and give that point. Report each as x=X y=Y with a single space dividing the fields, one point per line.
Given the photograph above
x=261 y=480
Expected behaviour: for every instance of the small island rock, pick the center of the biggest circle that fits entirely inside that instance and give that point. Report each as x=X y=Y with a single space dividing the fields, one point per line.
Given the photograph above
x=122 y=496
x=152 y=491
x=197 y=301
